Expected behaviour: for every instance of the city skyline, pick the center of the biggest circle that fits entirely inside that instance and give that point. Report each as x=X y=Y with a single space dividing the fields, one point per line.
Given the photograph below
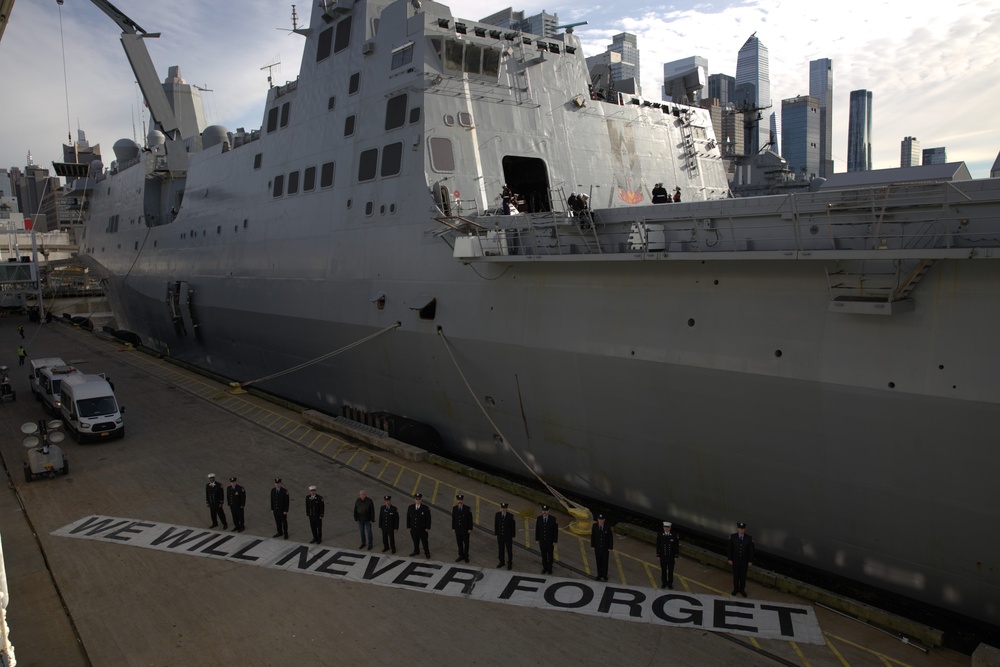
x=915 y=94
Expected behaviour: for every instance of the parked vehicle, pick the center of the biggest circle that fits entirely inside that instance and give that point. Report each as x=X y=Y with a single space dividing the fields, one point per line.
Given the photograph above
x=51 y=384
x=35 y=378
x=90 y=409
x=45 y=456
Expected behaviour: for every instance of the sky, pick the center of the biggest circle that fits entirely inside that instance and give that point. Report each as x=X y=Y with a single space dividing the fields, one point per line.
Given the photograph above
x=932 y=69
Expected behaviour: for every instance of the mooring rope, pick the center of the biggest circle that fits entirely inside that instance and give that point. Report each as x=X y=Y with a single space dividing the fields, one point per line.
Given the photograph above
x=582 y=516
x=240 y=385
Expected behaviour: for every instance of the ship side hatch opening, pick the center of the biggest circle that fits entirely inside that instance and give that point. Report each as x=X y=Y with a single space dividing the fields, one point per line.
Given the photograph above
x=529 y=179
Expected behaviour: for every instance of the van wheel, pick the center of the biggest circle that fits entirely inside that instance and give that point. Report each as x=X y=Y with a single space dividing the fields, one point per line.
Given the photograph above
x=27 y=473
x=65 y=468
x=121 y=434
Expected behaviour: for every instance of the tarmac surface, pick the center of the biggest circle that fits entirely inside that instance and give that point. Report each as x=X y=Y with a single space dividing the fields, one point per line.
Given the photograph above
x=84 y=602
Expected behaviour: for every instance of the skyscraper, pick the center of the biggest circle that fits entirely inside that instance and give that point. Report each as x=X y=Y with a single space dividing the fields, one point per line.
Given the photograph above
x=753 y=89
x=859 y=131
x=821 y=88
x=935 y=155
x=909 y=152
x=542 y=24
x=723 y=88
x=800 y=135
x=625 y=44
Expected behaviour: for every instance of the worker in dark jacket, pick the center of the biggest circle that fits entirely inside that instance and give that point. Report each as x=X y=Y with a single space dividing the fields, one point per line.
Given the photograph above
x=668 y=548
x=740 y=552
x=388 y=521
x=546 y=536
x=236 y=498
x=418 y=521
x=215 y=498
x=364 y=514
x=602 y=541
x=279 y=507
x=505 y=526
x=461 y=523
x=314 y=510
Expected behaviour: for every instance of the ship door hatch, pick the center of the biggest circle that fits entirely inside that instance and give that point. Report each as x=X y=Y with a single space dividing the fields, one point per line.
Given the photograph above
x=529 y=179
x=180 y=304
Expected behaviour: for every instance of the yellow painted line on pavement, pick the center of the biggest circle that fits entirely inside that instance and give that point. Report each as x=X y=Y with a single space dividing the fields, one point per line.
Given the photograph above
x=801 y=655
x=583 y=557
x=886 y=660
x=835 y=652
x=621 y=570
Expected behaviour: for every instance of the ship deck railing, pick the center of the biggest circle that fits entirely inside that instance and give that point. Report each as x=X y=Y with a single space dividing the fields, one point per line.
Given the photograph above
x=911 y=221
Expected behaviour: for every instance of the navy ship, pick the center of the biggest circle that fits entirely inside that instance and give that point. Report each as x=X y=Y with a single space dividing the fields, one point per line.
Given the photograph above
x=819 y=364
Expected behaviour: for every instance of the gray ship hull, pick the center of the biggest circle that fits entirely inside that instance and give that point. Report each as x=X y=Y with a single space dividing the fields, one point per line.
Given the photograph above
x=879 y=485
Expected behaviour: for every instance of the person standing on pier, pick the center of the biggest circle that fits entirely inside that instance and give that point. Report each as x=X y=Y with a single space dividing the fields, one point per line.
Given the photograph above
x=215 y=498
x=21 y=354
x=740 y=552
x=364 y=514
x=279 y=506
x=20 y=330
x=314 y=510
x=388 y=521
x=546 y=536
x=461 y=523
x=602 y=541
x=418 y=521
x=236 y=498
x=668 y=547
x=504 y=526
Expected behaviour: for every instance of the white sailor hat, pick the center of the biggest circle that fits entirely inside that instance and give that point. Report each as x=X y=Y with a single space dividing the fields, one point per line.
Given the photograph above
x=211 y=475
x=667 y=524
x=312 y=488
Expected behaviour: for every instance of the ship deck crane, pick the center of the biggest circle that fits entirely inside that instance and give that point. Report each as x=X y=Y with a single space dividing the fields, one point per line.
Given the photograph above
x=162 y=113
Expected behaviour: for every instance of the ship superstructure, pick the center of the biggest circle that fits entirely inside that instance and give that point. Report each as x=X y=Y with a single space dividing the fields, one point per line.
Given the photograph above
x=818 y=364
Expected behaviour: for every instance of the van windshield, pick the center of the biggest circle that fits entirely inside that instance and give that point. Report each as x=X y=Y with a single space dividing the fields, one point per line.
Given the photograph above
x=95 y=407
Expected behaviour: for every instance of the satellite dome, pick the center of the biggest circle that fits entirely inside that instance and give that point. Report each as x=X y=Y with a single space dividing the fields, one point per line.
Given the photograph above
x=156 y=138
x=126 y=149
x=96 y=167
x=213 y=135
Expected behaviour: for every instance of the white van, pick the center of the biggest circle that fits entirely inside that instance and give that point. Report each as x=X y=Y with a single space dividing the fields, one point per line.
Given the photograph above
x=90 y=409
x=51 y=381
x=35 y=379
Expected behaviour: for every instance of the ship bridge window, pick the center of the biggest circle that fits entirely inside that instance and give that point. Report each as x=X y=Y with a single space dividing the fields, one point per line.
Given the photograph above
x=309 y=179
x=473 y=58
x=465 y=119
x=279 y=185
x=491 y=62
x=395 y=112
x=343 y=39
x=293 y=182
x=402 y=55
x=257 y=160
x=368 y=165
x=326 y=175
x=349 y=125
x=354 y=84
x=284 y=113
x=331 y=103
x=392 y=159
x=414 y=115
x=442 y=155
x=272 y=120
x=325 y=45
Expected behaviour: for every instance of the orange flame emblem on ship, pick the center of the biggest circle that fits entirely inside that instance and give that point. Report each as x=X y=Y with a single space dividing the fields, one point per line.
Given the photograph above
x=628 y=195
